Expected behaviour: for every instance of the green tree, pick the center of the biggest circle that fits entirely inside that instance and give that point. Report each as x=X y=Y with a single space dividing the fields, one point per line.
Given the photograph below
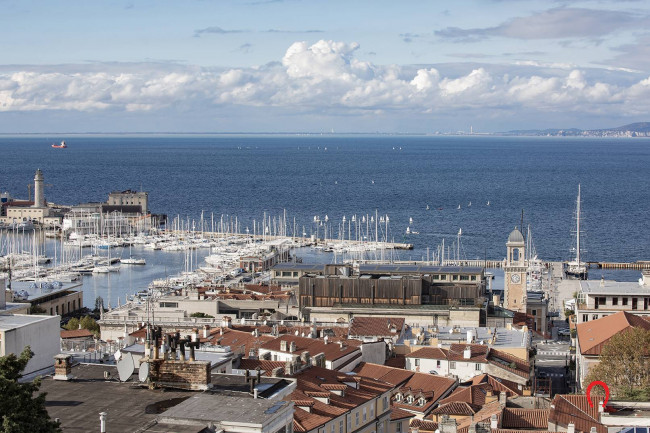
x=90 y=324
x=72 y=324
x=201 y=315
x=625 y=365
x=20 y=411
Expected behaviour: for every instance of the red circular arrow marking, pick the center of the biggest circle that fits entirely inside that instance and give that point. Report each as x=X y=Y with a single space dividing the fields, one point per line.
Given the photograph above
x=605 y=387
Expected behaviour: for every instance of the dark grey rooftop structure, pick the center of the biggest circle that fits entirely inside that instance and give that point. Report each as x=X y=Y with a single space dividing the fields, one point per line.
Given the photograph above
x=418 y=269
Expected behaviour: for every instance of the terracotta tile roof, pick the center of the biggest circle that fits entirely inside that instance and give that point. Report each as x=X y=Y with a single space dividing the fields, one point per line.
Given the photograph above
x=524 y=418
x=594 y=334
x=478 y=352
x=316 y=383
x=239 y=342
x=424 y=426
x=474 y=394
x=264 y=365
x=76 y=333
x=505 y=430
x=576 y=409
x=376 y=327
x=429 y=353
x=486 y=412
x=397 y=413
x=506 y=361
x=392 y=375
x=456 y=408
x=430 y=386
x=398 y=361
x=332 y=351
x=140 y=333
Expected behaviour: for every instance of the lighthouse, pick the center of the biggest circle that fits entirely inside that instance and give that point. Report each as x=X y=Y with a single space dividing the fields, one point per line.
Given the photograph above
x=39 y=200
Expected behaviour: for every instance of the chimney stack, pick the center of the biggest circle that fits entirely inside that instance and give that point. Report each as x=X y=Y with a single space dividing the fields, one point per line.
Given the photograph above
x=494 y=422
x=292 y=347
x=503 y=397
x=206 y=331
x=195 y=334
x=283 y=345
x=571 y=428
x=467 y=353
x=62 y=367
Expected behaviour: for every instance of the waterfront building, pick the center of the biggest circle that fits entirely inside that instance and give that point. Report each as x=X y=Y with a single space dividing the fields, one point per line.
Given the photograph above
x=594 y=334
x=36 y=210
x=598 y=299
x=49 y=298
x=128 y=201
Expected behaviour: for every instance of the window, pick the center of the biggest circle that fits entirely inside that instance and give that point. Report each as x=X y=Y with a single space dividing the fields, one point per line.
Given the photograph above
x=385 y=402
x=365 y=415
x=614 y=301
x=477 y=367
x=372 y=410
x=452 y=365
x=534 y=312
x=634 y=303
x=454 y=277
x=436 y=277
x=417 y=362
x=356 y=417
x=341 y=426
x=464 y=277
x=443 y=277
x=585 y=317
x=332 y=428
x=398 y=427
x=438 y=363
x=624 y=301
x=349 y=421
x=473 y=277
x=594 y=317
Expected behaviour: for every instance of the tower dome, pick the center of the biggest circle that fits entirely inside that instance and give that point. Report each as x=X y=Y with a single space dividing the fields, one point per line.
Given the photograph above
x=516 y=237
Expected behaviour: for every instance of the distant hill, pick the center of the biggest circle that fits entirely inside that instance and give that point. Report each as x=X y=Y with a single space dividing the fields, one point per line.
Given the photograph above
x=639 y=129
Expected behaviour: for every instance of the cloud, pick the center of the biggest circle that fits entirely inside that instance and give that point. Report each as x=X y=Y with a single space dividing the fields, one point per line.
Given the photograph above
x=293 y=31
x=551 y=24
x=634 y=55
x=408 y=37
x=215 y=30
x=327 y=77
x=245 y=48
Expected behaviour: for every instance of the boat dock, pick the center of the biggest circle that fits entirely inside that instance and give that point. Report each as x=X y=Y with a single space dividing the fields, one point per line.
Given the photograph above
x=639 y=265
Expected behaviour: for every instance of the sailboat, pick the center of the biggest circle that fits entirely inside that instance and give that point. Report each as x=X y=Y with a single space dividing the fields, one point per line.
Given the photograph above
x=576 y=268
x=132 y=260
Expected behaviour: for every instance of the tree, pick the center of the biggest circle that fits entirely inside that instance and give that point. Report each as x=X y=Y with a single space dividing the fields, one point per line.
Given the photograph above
x=73 y=323
x=99 y=305
x=201 y=315
x=90 y=324
x=625 y=365
x=20 y=412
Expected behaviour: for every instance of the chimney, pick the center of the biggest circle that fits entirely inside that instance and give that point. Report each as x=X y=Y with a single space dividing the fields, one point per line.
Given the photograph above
x=195 y=334
x=102 y=422
x=304 y=357
x=447 y=425
x=593 y=430
x=277 y=372
x=601 y=406
x=467 y=353
x=62 y=367
x=288 y=367
x=496 y=300
x=206 y=331
x=503 y=397
x=283 y=345
x=326 y=339
x=571 y=428
x=226 y=322
x=472 y=428
x=292 y=346
x=494 y=422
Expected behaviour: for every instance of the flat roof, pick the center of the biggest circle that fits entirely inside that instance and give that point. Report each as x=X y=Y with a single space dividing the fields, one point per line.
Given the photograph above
x=298 y=267
x=31 y=290
x=606 y=287
x=230 y=409
x=9 y=322
x=420 y=269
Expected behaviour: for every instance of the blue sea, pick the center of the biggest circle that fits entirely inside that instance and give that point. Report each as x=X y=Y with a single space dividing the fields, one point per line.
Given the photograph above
x=399 y=176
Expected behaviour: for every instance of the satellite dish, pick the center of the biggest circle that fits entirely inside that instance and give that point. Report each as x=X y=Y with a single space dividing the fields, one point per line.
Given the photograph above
x=126 y=367
x=143 y=374
x=118 y=355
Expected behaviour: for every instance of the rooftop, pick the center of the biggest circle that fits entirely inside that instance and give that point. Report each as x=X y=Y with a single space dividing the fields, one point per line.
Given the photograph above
x=594 y=334
x=419 y=269
x=9 y=322
x=607 y=287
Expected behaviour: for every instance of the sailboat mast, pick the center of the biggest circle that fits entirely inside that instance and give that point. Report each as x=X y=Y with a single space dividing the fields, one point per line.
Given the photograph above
x=578 y=228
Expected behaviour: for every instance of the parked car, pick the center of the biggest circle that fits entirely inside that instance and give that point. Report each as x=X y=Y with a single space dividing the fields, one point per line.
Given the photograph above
x=565 y=332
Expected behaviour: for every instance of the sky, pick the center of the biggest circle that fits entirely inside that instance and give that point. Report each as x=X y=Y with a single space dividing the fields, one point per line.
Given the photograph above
x=321 y=66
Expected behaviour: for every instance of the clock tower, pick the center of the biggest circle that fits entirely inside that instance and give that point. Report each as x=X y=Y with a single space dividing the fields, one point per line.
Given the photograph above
x=514 y=269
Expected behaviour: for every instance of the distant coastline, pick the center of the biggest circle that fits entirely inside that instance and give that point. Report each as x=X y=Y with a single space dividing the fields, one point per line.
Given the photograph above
x=639 y=129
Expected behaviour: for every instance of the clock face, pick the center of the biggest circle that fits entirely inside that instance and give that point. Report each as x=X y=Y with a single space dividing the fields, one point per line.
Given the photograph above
x=515 y=278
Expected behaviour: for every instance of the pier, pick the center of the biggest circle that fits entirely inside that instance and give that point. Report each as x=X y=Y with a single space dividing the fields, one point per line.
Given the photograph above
x=638 y=265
